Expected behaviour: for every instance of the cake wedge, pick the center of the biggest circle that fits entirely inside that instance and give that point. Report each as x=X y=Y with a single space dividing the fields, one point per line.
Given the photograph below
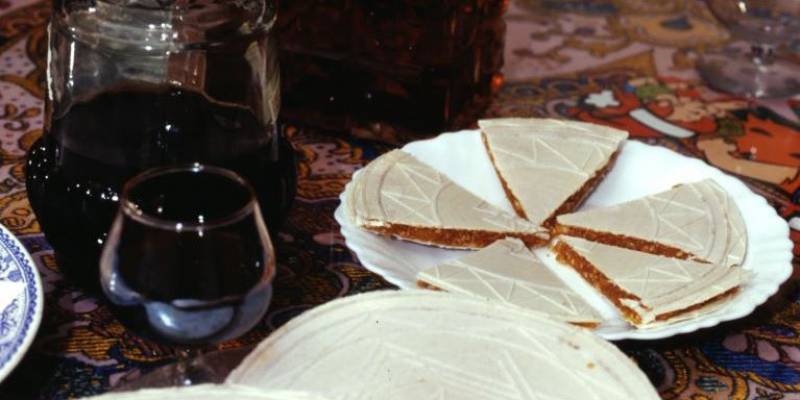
x=399 y=196
x=508 y=272
x=648 y=289
x=696 y=221
x=547 y=167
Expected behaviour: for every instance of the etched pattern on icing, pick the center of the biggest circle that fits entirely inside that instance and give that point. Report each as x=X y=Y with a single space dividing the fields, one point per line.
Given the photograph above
x=736 y=245
x=697 y=218
x=718 y=242
x=661 y=284
x=508 y=272
x=399 y=189
x=420 y=203
x=465 y=349
x=545 y=161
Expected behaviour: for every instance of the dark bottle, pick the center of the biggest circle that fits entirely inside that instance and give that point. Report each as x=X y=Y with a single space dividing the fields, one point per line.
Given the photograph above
x=136 y=84
x=392 y=70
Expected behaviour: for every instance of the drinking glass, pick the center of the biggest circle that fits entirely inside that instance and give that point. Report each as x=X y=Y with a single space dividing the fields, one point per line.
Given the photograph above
x=188 y=260
x=757 y=71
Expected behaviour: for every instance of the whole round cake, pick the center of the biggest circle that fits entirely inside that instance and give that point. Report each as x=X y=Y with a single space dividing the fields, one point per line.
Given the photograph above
x=426 y=344
x=209 y=392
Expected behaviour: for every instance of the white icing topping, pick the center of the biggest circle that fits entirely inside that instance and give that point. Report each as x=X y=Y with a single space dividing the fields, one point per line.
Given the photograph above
x=736 y=246
x=434 y=345
x=697 y=218
x=396 y=188
x=662 y=284
x=545 y=161
x=508 y=272
x=210 y=392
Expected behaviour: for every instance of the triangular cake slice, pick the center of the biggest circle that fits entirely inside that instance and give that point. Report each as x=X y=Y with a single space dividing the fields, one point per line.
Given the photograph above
x=547 y=166
x=648 y=289
x=690 y=221
x=508 y=272
x=399 y=196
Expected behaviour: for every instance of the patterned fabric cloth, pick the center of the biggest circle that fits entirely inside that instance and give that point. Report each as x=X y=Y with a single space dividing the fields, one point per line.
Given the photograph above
x=607 y=62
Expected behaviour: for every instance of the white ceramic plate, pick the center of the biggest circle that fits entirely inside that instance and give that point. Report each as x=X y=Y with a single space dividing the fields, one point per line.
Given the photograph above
x=21 y=301
x=640 y=170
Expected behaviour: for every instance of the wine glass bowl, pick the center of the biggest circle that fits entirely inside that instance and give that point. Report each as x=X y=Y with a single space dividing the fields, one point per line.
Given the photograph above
x=188 y=259
x=757 y=70
x=765 y=22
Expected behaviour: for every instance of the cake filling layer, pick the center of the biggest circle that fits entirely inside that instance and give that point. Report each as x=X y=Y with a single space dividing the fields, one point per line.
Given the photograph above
x=697 y=221
x=648 y=288
x=622 y=241
x=455 y=238
x=612 y=292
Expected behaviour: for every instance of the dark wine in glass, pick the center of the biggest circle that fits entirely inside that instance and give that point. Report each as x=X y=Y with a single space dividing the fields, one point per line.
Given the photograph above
x=188 y=260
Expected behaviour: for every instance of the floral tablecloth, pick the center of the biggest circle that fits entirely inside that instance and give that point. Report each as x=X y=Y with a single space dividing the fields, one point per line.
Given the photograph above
x=609 y=62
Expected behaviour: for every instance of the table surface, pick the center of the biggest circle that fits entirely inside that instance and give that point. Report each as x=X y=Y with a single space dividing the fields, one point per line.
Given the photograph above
x=595 y=61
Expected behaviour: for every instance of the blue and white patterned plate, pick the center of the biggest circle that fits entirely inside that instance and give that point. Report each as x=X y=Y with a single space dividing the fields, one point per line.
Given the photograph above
x=21 y=301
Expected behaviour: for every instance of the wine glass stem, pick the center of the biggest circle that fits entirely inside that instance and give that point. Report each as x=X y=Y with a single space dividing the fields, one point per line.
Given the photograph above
x=190 y=369
x=762 y=54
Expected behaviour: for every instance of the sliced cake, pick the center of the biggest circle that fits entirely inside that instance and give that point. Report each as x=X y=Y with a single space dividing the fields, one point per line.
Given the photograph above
x=399 y=196
x=691 y=221
x=547 y=167
x=508 y=272
x=648 y=289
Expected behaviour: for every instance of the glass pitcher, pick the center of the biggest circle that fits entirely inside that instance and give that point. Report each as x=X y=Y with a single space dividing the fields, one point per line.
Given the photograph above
x=134 y=84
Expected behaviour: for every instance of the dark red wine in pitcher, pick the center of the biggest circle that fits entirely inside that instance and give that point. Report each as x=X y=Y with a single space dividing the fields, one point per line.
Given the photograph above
x=75 y=173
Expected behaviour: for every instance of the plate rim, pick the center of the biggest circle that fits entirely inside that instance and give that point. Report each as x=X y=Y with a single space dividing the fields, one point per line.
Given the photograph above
x=756 y=299
x=35 y=294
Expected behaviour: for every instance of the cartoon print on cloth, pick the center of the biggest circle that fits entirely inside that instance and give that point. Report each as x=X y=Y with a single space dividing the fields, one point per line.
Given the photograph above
x=8 y=7
x=743 y=141
x=547 y=44
x=324 y=165
x=650 y=107
x=16 y=213
x=683 y=23
x=758 y=146
x=750 y=363
x=689 y=374
x=20 y=104
x=587 y=7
